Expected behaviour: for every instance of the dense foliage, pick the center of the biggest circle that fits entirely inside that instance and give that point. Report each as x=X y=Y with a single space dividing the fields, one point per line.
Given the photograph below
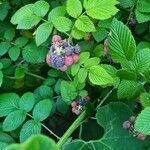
x=74 y=74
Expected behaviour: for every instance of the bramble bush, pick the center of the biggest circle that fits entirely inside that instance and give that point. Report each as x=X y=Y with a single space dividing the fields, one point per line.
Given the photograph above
x=74 y=74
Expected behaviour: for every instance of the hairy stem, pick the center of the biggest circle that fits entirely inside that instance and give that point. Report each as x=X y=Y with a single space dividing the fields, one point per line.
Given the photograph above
x=71 y=129
x=51 y=132
x=35 y=76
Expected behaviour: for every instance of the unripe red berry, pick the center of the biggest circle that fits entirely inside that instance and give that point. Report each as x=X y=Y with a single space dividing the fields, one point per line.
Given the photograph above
x=68 y=60
x=75 y=58
x=56 y=38
x=76 y=111
x=74 y=104
x=48 y=59
x=141 y=136
x=63 y=68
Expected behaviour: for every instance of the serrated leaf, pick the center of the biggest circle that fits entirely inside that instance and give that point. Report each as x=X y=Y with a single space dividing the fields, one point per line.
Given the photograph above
x=8 y=103
x=142 y=123
x=99 y=76
x=4 y=47
x=129 y=89
x=42 y=109
x=27 y=101
x=33 y=54
x=92 y=62
x=14 y=53
x=21 y=41
x=40 y=8
x=82 y=75
x=68 y=91
x=121 y=43
x=74 y=69
x=77 y=34
x=83 y=23
x=36 y=142
x=145 y=99
x=56 y=12
x=126 y=3
x=14 y=120
x=143 y=6
x=4 y=7
x=9 y=34
x=31 y=127
x=111 y=120
x=62 y=24
x=99 y=9
x=84 y=56
x=43 y=32
x=74 y=8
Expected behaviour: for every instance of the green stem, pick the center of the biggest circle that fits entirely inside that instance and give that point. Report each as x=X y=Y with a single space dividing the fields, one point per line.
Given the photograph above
x=71 y=129
x=35 y=76
x=51 y=132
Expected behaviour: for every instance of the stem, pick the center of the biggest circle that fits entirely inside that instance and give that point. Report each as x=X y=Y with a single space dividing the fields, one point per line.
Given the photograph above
x=51 y=132
x=71 y=129
x=68 y=76
x=34 y=75
x=104 y=99
x=80 y=131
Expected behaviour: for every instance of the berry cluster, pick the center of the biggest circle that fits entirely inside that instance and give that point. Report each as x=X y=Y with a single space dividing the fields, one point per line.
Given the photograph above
x=62 y=54
x=78 y=105
x=129 y=125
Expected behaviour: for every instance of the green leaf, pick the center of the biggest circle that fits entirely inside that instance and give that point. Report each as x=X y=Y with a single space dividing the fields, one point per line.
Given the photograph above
x=142 y=17
x=36 y=142
x=74 y=8
x=56 y=12
x=83 y=23
x=77 y=34
x=9 y=34
x=4 y=47
x=62 y=24
x=8 y=103
x=74 y=69
x=121 y=43
x=145 y=99
x=43 y=32
x=40 y=8
x=114 y=137
x=92 y=62
x=21 y=41
x=126 y=3
x=31 y=127
x=68 y=91
x=147 y=75
x=14 y=120
x=27 y=101
x=142 y=123
x=129 y=89
x=33 y=54
x=143 y=6
x=100 y=9
x=1 y=78
x=99 y=76
x=126 y=74
x=42 y=110
x=4 y=7
x=14 y=53
x=82 y=75
x=84 y=56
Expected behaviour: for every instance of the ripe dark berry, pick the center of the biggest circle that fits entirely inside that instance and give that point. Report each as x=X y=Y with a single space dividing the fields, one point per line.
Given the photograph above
x=68 y=51
x=57 y=61
x=77 y=49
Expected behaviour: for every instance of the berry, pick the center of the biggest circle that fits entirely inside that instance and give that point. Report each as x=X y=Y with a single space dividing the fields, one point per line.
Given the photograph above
x=48 y=59
x=81 y=102
x=74 y=104
x=75 y=58
x=56 y=38
x=68 y=51
x=127 y=124
x=76 y=111
x=141 y=136
x=68 y=60
x=57 y=61
x=77 y=49
x=63 y=68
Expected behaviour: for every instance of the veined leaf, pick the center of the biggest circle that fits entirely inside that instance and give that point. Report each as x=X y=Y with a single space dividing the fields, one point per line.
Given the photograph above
x=74 y=8
x=121 y=43
x=145 y=99
x=100 y=9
